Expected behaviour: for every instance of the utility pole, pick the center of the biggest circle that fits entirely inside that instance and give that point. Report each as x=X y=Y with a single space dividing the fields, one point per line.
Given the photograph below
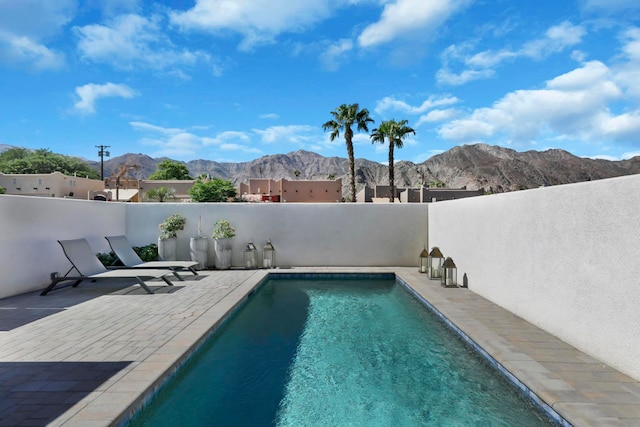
x=102 y=153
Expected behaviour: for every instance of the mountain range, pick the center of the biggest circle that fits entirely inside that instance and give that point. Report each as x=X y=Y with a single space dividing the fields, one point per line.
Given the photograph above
x=493 y=168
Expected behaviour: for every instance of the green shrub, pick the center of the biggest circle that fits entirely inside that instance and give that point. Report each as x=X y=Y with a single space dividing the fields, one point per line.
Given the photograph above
x=146 y=253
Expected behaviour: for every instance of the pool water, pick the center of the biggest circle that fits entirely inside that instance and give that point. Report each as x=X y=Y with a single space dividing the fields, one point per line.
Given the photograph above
x=337 y=352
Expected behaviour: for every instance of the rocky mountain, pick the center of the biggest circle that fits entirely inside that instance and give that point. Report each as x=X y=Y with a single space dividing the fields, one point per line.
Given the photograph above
x=496 y=169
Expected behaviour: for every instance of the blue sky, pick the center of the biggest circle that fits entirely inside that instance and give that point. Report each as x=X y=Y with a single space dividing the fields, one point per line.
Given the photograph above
x=235 y=80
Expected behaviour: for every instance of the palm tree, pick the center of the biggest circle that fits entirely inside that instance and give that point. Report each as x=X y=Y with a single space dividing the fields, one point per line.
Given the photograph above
x=123 y=173
x=395 y=132
x=160 y=194
x=344 y=117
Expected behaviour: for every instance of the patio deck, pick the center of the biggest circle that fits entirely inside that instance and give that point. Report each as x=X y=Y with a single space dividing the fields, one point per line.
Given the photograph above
x=84 y=356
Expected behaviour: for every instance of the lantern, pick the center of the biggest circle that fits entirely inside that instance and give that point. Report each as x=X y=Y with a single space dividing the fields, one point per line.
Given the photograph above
x=424 y=255
x=449 y=273
x=268 y=255
x=434 y=263
x=250 y=256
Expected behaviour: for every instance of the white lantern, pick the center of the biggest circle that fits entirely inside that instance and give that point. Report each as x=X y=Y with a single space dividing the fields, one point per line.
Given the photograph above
x=424 y=255
x=434 y=263
x=268 y=255
x=250 y=256
x=449 y=273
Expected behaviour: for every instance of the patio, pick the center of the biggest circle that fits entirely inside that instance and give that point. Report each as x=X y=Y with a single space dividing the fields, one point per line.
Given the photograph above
x=87 y=355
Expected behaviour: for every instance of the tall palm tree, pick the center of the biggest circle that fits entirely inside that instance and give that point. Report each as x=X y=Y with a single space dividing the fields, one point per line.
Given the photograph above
x=395 y=132
x=344 y=117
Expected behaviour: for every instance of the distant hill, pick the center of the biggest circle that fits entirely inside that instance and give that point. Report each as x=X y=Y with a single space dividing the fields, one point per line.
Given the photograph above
x=496 y=169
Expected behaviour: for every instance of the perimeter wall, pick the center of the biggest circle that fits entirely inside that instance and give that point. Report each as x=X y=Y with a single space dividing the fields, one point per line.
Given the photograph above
x=565 y=258
x=303 y=234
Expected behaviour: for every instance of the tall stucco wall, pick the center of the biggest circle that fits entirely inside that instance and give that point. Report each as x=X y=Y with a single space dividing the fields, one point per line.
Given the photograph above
x=30 y=226
x=303 y=234
x=565 y=258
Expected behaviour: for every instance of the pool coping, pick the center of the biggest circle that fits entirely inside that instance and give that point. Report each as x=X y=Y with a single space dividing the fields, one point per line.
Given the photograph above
x=522 y=387
x=155 y=338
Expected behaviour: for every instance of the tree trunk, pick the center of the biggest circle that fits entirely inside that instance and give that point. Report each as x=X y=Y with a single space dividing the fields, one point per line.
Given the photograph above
x=352 y=164
x=392 y=186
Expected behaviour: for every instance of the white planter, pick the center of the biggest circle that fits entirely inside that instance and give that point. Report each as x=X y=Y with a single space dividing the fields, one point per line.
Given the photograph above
x=167 y=249
x=199 y=248
x=222 y=249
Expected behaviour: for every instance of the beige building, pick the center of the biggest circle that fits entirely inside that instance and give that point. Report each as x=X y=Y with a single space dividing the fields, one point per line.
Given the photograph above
x=53 y=184
x=298 y=191
x=133 y=190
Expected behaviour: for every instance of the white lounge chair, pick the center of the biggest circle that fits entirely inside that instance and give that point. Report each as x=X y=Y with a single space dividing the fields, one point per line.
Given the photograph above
x=88 y=266
x=124 y=251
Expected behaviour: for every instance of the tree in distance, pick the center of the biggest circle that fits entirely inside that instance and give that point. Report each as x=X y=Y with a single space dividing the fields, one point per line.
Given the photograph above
x=395 y=133
x=169 y=170
x=213 y=190
x=344 y=117
x=160 y=194
x=43 y=161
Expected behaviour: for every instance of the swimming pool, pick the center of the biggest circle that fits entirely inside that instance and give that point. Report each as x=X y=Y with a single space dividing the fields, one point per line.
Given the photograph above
x=337 y=352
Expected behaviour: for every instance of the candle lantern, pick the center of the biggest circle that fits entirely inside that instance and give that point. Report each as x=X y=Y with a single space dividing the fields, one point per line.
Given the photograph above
x=424 y=255
x=434 y=263
x=449 y=273
x=268 y=255
x=250 y=256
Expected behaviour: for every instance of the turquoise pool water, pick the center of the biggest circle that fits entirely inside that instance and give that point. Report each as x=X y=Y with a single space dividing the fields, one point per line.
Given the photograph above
x=333 y=353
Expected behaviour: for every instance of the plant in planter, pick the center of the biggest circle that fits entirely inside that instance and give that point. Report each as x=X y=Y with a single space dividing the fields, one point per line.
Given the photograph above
x=223 y=232
x=168 y=236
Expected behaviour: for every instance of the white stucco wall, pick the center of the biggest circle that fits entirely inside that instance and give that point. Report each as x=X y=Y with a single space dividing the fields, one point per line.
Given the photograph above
x=30 y=227
x=565 y=258
x=333 y=234
x=303 y=234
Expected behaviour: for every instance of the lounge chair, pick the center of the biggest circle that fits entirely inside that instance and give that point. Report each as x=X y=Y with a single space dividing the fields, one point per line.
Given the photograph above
x=122 y=248
x=89 y=267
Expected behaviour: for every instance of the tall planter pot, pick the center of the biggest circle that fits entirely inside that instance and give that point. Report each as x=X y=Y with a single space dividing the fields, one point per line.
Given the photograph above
x=167 y=249
x=222 y=249
x=199 y=249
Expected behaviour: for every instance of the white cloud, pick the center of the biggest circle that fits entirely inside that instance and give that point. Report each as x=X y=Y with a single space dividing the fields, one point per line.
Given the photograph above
x=142 y=126
x=26 y=26
x=627 y=72
x=90 y=93
x=333 y=54
x=223 y=138
x=482 y=65
x=184 y=144
x=391 y=104
x=575 y=105
x=444 y=76
x=36 y=19
x=438 y=116
x=131 y=41
x=403 y=18
x=257 y=21
x=611 y=6
x=292 y=134
x=556 y=39
x=21 y=50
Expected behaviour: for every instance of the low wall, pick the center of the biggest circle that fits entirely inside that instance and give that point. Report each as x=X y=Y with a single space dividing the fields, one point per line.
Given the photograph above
x=332 y=234
x=565 y=258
